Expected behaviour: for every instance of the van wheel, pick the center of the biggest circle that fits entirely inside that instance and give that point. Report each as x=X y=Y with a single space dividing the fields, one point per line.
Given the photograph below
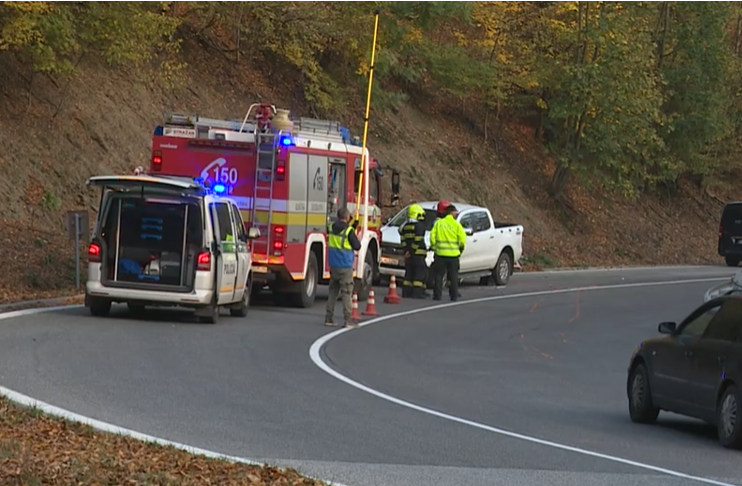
x=98 y=307
x=244 y=305
x=305 y=298
x=363 y=285
x=732 y=261
x=503 y=269
x=212 y=317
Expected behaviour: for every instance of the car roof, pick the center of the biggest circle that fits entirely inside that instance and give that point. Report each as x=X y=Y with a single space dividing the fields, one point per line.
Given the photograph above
x=459 y=205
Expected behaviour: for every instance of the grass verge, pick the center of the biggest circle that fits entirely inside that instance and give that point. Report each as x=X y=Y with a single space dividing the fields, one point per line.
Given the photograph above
x=38 y=449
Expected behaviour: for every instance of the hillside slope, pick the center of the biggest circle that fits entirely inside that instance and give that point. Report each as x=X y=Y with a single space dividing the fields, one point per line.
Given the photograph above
x=56 y=134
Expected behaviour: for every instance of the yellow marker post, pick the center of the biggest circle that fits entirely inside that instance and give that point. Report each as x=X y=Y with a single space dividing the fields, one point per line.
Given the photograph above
x=363 y=183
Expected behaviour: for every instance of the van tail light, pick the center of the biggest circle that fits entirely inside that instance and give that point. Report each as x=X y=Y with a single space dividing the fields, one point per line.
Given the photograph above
x=157 y=160
x=203 y=261
x=94 y=253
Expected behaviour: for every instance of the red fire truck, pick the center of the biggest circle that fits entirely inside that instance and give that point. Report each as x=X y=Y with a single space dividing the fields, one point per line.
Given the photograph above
x=288 y=178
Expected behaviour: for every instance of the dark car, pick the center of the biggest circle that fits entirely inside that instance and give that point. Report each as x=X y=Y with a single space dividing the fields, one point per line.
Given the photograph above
x=695 y=370
x=730 y=233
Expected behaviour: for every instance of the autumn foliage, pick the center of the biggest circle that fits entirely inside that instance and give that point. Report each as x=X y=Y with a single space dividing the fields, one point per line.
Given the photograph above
x=630 y=94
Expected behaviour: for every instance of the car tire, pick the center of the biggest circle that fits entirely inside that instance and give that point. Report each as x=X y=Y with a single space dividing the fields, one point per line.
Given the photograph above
x=305 y=298
x=363 y=285
x=99 y=307
x=244 y=307
x=641 y=407
x=732 y=261
x=213 y=316
x=729 y=425
x=135 y=309
x=503 y=269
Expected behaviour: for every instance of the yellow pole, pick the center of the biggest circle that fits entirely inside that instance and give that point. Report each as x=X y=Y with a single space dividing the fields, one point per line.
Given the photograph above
x=365 y=126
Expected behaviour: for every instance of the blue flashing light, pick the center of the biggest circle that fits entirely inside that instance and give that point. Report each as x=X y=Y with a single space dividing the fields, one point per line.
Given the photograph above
x=286 y=141
x=219 y=189
x=159 y=131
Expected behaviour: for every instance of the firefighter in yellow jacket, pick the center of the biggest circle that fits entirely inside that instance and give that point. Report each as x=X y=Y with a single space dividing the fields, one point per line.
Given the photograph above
x=447 y=240
x=415 y=251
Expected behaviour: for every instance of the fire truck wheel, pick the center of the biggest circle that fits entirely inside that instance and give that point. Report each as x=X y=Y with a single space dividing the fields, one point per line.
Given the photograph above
x=305 y=298
x=363 y=285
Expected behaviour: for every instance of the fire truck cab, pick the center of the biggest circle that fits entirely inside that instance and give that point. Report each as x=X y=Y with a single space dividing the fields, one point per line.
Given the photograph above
x=288 y=178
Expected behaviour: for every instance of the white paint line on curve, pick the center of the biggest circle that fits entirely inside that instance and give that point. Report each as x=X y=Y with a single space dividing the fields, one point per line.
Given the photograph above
x=316 y=356
x=26 y=401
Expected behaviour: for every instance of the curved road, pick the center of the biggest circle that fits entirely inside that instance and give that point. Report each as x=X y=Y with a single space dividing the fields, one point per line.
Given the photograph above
x=550 y=366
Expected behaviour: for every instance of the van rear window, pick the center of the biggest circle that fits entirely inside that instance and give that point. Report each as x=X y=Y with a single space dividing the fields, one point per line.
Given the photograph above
x=731 y=213
x=167 y=232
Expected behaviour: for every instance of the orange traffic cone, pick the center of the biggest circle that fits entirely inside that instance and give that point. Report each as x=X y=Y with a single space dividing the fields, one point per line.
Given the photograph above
x=371 y=305
x=392 y=297
x=354 y=315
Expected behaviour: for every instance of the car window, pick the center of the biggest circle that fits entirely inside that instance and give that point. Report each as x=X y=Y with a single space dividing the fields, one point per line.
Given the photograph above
x=225 y=222
x=697 y=326
x=467 y=220
x=481 y=221
x=727 y=322
x=239 y=225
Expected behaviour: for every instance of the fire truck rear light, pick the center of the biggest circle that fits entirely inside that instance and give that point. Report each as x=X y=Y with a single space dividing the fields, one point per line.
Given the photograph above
x=203 y=263
x=94 y=253
x=278 y=229
x=280 y=171
x=157 y=160
x=277 y=245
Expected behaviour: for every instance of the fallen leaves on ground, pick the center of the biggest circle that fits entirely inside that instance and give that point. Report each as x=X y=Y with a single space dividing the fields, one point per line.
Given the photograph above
x=39 y=449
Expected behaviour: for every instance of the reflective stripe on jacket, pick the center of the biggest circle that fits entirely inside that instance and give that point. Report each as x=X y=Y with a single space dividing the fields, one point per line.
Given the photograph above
x=447 y=238
x=340 y=253
x=413 y=238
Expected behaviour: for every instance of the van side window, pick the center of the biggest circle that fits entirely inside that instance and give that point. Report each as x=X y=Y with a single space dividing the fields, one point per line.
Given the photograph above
x=225 y=222
x=239 y=225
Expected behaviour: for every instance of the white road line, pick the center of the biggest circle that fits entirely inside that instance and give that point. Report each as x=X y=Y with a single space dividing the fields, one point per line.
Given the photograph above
x=315 y=355
x=47 y=408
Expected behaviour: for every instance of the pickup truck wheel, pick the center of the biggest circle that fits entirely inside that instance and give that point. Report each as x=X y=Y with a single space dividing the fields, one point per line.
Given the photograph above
x=732 y=261
x=503 y=269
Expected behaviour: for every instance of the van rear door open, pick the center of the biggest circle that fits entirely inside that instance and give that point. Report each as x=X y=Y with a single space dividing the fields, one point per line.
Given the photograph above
x=150 y=231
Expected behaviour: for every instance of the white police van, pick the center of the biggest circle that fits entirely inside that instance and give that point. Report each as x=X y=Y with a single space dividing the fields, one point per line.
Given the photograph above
x=168 y=241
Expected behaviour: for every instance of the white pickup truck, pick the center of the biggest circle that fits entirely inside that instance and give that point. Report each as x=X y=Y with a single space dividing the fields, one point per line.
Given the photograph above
x=492 y=248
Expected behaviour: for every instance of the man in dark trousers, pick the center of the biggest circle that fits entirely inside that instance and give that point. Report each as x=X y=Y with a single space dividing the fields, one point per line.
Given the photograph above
x=447 y=239
x=415 y=251
x=343 y=243
x=441 y=213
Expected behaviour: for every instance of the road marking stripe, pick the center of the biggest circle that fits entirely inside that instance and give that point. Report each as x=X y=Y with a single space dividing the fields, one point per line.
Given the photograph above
x=26 y=401
x=316 y=348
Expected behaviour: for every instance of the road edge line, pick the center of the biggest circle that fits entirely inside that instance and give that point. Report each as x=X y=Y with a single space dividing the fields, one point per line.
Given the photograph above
x=53 y=410
x=315 y=354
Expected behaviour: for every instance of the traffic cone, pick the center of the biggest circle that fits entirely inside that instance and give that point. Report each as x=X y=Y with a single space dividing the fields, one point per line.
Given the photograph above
x=371 y=304
x=392 y=297
x=354 y=315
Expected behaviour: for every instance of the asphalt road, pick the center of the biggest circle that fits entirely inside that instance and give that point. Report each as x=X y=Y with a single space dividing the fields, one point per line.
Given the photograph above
x=551 y=366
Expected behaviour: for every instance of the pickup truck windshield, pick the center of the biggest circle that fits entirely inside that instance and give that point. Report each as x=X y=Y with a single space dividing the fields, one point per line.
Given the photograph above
x=401 y=217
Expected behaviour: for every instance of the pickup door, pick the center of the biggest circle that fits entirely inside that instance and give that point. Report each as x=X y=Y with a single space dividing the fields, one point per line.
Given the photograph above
x=488 y=240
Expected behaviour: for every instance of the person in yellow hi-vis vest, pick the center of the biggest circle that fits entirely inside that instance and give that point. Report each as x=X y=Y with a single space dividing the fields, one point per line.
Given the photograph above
x=447 y=240
x=343 y=243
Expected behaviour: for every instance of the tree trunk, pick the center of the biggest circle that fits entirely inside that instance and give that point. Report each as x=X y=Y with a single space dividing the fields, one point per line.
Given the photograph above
x=559 y=181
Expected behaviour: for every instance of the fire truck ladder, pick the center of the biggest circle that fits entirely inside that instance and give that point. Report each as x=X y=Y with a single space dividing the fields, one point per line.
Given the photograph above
x=267 y=145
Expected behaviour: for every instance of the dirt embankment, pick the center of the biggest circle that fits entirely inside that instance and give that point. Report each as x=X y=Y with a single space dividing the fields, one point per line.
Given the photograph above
x=55 y=134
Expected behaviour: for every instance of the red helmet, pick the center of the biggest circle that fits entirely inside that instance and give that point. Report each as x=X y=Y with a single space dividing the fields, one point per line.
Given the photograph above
x=442 y=206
